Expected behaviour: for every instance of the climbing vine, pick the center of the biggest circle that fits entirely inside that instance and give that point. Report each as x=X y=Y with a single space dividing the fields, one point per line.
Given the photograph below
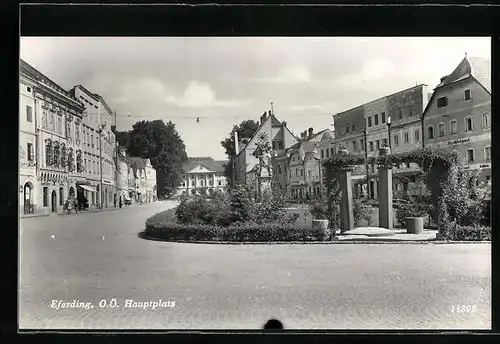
x=437 y=164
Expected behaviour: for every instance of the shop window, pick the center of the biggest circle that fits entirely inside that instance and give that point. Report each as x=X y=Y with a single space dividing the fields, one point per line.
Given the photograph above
x=470 y=155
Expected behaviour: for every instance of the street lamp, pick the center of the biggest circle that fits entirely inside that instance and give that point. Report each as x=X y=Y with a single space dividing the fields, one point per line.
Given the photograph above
x=389 y=131
x=101 y=127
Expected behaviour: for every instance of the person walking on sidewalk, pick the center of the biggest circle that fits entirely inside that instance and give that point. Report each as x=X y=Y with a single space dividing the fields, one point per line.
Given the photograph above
x=121 y=203
x=75 y=203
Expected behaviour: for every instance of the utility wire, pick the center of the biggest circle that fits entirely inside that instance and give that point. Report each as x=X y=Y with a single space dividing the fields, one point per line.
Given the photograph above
x=214 y=117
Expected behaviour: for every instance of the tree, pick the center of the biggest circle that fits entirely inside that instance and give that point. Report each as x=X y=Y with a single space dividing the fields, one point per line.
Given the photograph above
x=162 y=144
x=121 y=136
x=245 y=130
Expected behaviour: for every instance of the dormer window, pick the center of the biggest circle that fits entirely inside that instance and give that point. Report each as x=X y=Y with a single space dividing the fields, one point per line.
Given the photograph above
x=467 y=95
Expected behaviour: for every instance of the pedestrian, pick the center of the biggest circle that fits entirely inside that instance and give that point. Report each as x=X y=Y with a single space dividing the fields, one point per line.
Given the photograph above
x=75 y=200
x=121 y=202
x=115 y=201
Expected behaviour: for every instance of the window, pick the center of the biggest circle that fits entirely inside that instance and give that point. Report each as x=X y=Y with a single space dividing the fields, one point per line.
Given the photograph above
x=453 y=127
x=45 y=196
x=331 y=150
x=280 y=145
x=383 y=117
x=309 y=173
x=430 y=132
x=296 y=172
x=442 y=102
x=274 y=144
x=301 y=173
x=29 y=150
x=412 y=110
x=384 y=142
x=487 y=153
x=378 y=144
x=406 y=137
x=347 y=129
x=353 y=128
x=407 y=165
x=396 y=140
x=369 y=121
x=192 y=182
x=92 y=140
x=61 y=196
x=400 y=114
x=44 y=119
x=85 y=164
x=467 y=95
x=441 y=129
x=417 y=135
x=470 y=155
x=327 y=153
x=29 y=114
x=354 y=146
x=361 y=142
x=28 y=89
x=59 y=125
x=486 y=120
x=279 y=169
x=220 y=183
x=322 y=154
x=468 y=124
x=371 y=146
x=88 y=139
x=376 y=119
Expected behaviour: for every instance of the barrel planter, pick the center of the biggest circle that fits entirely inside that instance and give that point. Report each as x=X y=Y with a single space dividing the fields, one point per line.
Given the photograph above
x=414 y=225
x=320 y=228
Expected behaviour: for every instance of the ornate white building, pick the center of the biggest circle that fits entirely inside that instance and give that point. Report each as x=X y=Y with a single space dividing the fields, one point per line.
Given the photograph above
x=50 y=151
x=202 y=174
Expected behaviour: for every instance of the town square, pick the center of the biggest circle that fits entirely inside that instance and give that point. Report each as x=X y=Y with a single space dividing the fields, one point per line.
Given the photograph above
x=330 y=191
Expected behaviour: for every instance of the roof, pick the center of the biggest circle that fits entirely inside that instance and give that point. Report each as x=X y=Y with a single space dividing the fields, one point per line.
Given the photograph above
x=31 y=71
x=101 y=99
x=90 y=94
x=476 y=67
x=207 y=162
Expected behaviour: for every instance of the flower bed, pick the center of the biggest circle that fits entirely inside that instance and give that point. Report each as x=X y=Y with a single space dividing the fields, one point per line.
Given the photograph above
x=468 y=233
x=163 y=226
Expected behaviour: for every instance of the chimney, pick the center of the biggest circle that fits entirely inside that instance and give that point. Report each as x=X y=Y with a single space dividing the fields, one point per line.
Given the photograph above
x=283 y=123
x=263 y=117
x=236 y=143
x=310 y=134
x=444 y=77
x=303 y=135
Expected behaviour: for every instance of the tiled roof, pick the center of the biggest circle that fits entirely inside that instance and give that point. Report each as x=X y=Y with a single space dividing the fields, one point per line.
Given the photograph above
x=207 y=162
x=477 y=67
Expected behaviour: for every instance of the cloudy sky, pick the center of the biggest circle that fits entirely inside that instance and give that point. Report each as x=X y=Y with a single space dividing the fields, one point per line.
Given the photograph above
x=226 y=80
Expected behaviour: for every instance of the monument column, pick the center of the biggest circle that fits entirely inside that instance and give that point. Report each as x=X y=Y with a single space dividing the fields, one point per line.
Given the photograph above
x=346 y=210
x=385 y=192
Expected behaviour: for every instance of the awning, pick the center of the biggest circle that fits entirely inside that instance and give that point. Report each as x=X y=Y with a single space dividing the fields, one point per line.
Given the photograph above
x=88 y=188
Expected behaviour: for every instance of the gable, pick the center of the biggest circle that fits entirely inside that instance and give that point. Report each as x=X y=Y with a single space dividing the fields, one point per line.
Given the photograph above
x=200 y=169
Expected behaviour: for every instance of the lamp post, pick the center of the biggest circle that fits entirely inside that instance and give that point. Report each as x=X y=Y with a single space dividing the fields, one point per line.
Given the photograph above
x=366 y=159
x=101 y=126
x=389 y=131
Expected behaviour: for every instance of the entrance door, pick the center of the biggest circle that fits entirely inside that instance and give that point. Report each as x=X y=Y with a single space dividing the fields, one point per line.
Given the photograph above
x=54 y=201
x=27 y=198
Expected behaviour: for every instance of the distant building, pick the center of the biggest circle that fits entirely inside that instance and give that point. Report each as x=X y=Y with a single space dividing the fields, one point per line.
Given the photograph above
x=202 y=174
x=458 y=115
x=144 y=180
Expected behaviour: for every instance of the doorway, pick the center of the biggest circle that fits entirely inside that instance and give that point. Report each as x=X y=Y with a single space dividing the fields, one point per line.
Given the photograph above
x=28 y=209
x=372 y=191
x=54 y=201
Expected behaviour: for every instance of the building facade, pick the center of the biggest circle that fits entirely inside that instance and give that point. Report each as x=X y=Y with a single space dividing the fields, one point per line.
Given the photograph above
x=458 y=115
x=99 y=186
x=278 y=135
x=202 y=174
x=52 y=138
x=122 y=178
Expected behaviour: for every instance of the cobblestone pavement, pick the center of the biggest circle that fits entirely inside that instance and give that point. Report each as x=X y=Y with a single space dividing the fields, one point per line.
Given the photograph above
x=352 y=286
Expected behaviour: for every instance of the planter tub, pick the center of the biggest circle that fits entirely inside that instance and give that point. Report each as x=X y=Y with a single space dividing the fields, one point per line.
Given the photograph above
x=321 y=225
x=414 y=225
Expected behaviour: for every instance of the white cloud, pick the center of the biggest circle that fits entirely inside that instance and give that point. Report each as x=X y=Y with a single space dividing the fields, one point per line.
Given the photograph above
x=288 y=75
x=371 y=71
x=199 y=95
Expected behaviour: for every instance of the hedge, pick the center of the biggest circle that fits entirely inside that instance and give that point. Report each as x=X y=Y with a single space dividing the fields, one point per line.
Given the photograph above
x=469 y=233
x=238 y=232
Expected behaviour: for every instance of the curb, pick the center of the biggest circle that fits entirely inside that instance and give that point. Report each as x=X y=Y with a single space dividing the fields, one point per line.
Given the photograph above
x=142 y=235
x=34 y=216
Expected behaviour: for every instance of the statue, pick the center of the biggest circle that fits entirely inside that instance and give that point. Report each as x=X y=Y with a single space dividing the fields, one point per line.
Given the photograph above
x=263 y=153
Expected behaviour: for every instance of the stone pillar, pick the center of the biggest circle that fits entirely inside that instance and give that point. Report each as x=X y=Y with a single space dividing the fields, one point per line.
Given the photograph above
x=346 y=210
x=385 y=210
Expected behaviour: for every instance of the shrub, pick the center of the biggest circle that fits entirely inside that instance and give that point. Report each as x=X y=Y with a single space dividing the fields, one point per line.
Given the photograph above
x=242 y=231
x=193 y=210
x=468 y=233
x=361 y=211
x=241 y=204
x=411 y=210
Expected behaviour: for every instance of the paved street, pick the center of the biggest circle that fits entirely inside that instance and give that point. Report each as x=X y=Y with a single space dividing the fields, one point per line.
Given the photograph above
x=98 y=256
